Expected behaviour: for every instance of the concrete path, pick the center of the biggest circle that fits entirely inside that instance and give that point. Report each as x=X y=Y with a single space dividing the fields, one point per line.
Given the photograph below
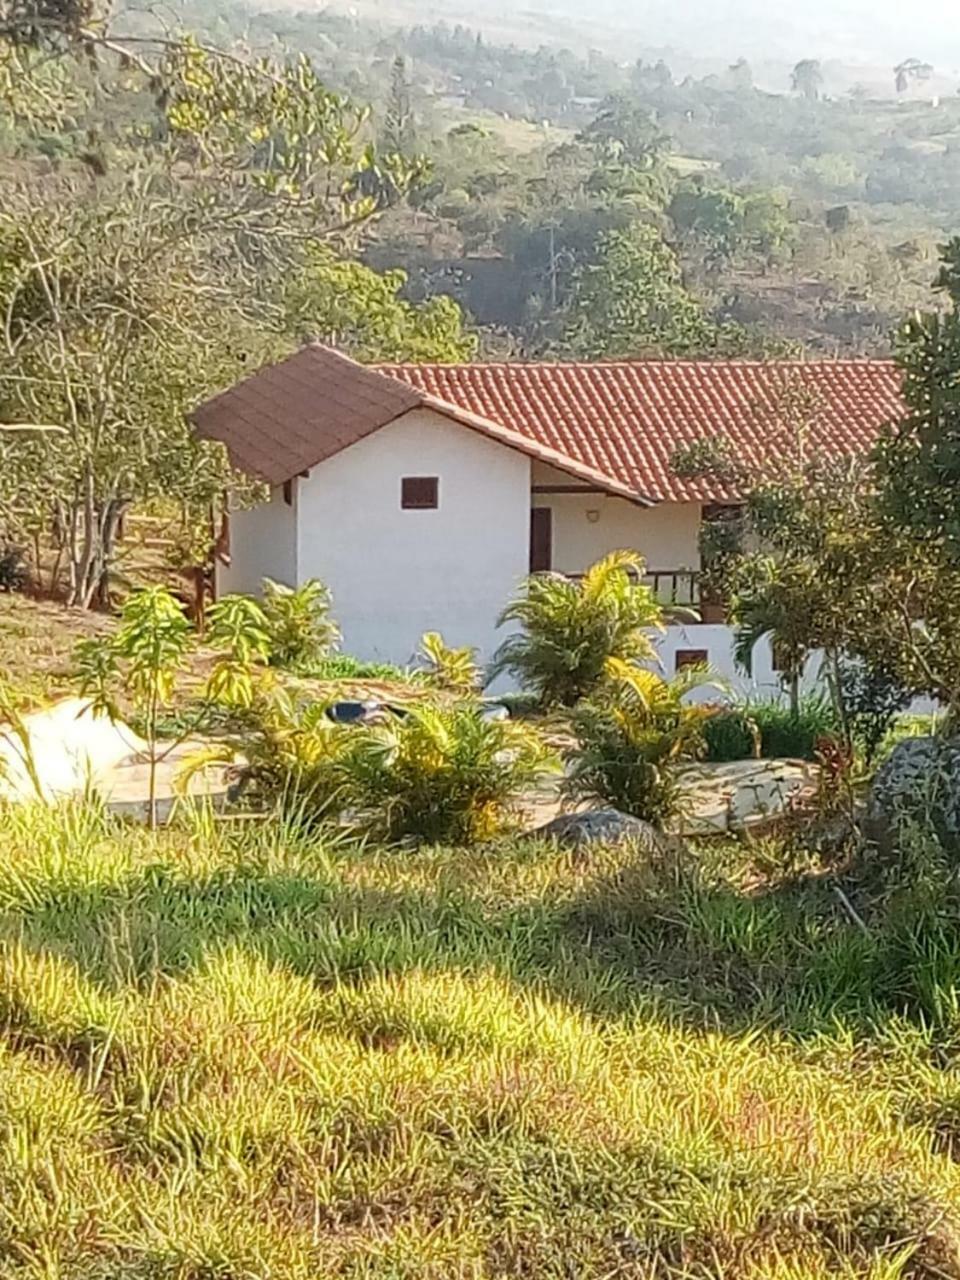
x=716 y=799
x=126 y=787
x=72 y=751
x=742 y=796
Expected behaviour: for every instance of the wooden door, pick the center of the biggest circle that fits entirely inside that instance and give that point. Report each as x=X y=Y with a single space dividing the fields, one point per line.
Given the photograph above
x=541 y=540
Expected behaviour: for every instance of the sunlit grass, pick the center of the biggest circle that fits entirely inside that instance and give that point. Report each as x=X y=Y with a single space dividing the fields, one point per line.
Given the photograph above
x=233 y=1051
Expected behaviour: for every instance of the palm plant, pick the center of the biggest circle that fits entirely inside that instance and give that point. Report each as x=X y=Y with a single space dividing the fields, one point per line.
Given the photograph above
x=441 y=774
x=570 y=630
x=782 y=602
x=450 y=669
x=630 y=738
x=437 y=773
x=293 y=757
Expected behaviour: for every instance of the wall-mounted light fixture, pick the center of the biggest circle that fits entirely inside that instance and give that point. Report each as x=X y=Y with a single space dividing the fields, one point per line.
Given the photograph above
x=593 y=516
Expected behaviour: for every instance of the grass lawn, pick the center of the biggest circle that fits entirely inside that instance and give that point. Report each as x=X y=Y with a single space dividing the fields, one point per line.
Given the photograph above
x=227 y=1051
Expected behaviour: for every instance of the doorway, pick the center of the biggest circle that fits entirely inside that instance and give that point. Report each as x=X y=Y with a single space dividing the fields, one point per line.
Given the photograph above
x=541 y=540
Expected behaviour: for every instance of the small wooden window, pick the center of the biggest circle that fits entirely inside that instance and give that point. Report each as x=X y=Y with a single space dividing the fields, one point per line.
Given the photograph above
x=779 y=658
x=288 y=492
x=419 y=493
x=690 y=658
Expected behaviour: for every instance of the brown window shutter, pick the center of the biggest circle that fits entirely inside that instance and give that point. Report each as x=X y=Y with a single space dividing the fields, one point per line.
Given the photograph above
x=685 y=658
x=420 y=493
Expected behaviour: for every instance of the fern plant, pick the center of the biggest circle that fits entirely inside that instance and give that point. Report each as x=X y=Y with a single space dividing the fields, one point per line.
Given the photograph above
x=570 y=630
x=630 y=738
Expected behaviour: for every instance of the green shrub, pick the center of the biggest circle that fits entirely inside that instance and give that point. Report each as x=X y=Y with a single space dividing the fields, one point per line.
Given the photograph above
x=731 y=735
x=784 y=734
x=438 y=774
x=300 y=629
x=630 y=738
x=344 y=666
x=769 y=730
x=569 y=630
x=873 y=698
x=13 y=567
x=291 y=755
x=441 y=774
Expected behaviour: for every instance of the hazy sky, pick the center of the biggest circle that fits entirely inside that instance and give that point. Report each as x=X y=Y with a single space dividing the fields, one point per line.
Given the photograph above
x=869 y=28
x=856 y=30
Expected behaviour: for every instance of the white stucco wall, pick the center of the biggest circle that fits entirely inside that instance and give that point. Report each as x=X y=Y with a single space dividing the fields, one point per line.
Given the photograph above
x=395 y=574
x=590 y=525
x=763 y=684
x=263 y=544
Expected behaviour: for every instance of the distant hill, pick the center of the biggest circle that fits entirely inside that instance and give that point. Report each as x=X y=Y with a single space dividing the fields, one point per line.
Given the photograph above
x=872 y=33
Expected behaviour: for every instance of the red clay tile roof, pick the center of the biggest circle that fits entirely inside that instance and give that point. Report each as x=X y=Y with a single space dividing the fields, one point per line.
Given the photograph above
x=614 y=425
x=293 y=415
x=627 y=420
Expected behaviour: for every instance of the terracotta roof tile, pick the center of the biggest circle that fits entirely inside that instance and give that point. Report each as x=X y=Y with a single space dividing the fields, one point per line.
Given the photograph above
x=627 y=420
x=617 y=425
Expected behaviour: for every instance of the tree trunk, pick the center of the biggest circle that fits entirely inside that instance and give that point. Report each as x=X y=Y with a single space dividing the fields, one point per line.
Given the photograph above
x=795 y=694
x=835 y=685
x=90 y=561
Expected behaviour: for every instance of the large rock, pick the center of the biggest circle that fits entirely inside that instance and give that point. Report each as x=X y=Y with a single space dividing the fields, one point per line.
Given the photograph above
x=603 y=827
x=919 y=785
x=743 y=795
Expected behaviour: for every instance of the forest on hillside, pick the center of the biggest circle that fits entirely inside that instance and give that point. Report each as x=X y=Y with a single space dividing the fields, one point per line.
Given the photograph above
x=767 y=220
x=574 y=206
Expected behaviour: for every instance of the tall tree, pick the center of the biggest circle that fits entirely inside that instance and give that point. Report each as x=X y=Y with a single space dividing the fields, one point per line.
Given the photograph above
x=362 y=312
x=807 y=78
x=126 y=296
x=632 y=301
x=399 y=131
x=919 y=461
x=911 y=70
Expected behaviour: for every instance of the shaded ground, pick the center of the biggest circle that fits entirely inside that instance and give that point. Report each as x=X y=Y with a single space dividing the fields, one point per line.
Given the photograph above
x=229 y=1051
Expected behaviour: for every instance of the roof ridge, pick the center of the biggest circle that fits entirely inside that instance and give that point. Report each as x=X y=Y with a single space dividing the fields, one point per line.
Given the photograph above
x=747 y=362
x=617 y=424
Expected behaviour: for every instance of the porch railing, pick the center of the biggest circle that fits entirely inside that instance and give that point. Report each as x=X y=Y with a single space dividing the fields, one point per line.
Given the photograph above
x=679 y=589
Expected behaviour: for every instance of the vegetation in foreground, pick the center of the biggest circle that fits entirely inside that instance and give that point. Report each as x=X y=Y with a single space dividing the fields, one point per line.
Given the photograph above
x=229 y=1051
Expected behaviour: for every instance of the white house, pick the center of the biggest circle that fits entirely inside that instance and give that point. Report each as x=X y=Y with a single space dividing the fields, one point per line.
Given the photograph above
x=423 y=494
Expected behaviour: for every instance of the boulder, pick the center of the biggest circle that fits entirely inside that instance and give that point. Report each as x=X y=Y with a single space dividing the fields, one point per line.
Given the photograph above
x=603 y=827
x=743 y=796
x=919 y=784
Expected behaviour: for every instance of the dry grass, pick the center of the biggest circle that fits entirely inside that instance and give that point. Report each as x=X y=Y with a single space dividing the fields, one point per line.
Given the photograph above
x=37 y=639
x=243 y=1053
